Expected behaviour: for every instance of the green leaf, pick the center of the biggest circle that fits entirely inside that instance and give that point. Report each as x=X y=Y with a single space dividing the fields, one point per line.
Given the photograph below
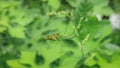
x=55 y=4
x=104 y=64
x=101 y=7
x=27 y=57
x=25 y=21
x=14 y=64
x=72 y=2
x=69 y=62
x=3 y=5
x=2 y=29
x=17 y=32
x=95 y=28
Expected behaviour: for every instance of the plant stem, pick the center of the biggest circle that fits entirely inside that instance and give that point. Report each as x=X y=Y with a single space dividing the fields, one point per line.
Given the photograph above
x=80 y=43
x=1 y=55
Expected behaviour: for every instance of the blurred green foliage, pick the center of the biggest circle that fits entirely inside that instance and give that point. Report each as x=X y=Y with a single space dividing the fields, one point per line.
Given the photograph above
x=56 y=34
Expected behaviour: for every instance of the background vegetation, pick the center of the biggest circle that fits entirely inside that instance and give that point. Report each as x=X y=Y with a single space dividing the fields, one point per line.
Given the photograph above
x=57 y=34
